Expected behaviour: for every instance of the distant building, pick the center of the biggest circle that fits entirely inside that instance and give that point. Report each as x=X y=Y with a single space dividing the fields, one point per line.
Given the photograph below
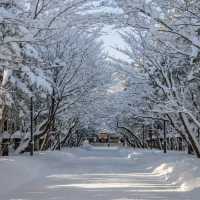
x=115 y=138
x=105 y=137
x=6 y=3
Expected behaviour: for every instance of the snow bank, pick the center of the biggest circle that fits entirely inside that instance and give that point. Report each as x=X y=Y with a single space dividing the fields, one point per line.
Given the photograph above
x=16 y=171
x=184 y=172
x=176 y=168
x=86 y=145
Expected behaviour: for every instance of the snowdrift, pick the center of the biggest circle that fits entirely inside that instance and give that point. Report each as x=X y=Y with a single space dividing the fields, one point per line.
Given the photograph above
x=184 y=172
x=16 y=171
x=177 y=168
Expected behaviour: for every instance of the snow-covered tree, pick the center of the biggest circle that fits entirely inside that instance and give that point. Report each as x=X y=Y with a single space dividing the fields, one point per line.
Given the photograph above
x=164 y=40
x=20 y=62
x=73 y=64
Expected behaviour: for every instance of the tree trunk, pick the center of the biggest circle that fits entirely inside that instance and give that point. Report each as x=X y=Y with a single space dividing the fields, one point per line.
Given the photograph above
x=193 y=141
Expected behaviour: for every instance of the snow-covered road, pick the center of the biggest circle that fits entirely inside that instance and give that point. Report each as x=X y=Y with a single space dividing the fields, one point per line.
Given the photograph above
x=95 y=174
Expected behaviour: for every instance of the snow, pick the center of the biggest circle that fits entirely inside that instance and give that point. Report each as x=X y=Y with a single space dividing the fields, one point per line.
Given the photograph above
x=17 y=134
x=183 y=172
x=100 y=173
x=22 y=146
x=6 y=75
x=86 y=145
x=4 y=14
x=111 y=41
x=5 y=135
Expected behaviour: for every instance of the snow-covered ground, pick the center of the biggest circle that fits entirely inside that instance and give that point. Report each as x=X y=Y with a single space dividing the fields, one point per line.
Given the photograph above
x=100 y=174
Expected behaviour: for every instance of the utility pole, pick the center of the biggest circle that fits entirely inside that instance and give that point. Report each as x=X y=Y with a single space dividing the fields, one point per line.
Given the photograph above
x=31 y=128
x=165 y=139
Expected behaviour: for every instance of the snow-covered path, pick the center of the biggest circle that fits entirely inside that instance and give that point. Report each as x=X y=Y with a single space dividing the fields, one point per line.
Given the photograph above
x=96 y=174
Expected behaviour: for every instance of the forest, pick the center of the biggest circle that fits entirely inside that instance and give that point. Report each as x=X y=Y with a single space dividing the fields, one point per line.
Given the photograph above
x=58 y=83
x=99 y=99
